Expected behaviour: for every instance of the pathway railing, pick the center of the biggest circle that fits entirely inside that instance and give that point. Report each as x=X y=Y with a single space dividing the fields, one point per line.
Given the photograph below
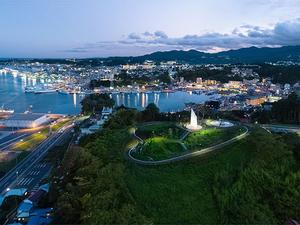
x=187 y=155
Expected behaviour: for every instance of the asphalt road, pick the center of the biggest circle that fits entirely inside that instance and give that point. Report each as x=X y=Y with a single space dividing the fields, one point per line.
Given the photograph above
x=12 y=138
x=23 y=174
x=281 y=127
x=32 y=178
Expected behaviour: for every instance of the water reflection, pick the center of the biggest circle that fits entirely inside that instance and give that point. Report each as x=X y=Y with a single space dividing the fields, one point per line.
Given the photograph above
x=167 y=102
x=74 y=99
x=12 y=96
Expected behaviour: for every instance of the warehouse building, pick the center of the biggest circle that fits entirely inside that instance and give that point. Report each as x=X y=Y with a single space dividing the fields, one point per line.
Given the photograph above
x=25 y=120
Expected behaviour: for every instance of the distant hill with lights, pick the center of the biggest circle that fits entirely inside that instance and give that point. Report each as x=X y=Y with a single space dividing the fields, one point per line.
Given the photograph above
x=244 y=55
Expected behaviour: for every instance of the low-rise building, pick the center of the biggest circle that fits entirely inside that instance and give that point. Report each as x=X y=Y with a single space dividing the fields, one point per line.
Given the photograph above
x=25 y=120
x=256 y=100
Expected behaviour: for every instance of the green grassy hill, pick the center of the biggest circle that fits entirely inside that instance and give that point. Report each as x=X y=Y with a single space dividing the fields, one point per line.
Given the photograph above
x=253 y=181
x=181 y=193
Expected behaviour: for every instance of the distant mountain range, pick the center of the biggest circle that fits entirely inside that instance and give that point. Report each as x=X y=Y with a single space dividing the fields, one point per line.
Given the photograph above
x=243 y=55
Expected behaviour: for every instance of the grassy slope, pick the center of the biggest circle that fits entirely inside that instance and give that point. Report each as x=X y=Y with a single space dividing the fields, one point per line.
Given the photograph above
x=158 y=148
x=31 y=141
x=166 y=129
x=181 y=193
x=211 y=136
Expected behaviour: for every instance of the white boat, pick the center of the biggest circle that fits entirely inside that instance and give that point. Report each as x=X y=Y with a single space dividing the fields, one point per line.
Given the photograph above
x=2 y=71
x=63 y=92
x=29 y=89
x=44 y=91
x=4 y=110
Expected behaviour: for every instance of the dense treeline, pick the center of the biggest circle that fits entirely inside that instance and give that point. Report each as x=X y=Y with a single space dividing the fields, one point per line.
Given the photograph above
x=94 y=103
x=123 y=79
x=280 y=74
x=205 y=73
x=98 y=83
x=164 y=78
x=96 y=192
x=127 y=116
x=266 y=191
x=284 y=111
x=287 y=110
x=263 y=190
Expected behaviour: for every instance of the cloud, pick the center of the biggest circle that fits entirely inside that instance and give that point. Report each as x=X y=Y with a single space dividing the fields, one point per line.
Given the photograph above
x=134 y=36
x=161 y=34
x=283 y=33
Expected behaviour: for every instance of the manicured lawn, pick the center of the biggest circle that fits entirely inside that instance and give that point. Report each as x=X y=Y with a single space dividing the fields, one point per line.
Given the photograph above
x=211 y=136
x=181 y=193
x=31 y=141
x=162 y=139
x=36 y=138
x=59 y=125
x=162 y=129
x=158 y=148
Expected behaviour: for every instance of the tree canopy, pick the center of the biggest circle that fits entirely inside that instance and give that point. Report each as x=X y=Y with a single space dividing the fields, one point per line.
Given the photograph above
x=151 y=112
x=94 y=103
x=287 y=110
x=263 y=192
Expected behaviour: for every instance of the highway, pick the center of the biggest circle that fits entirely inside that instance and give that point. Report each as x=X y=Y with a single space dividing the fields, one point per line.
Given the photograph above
x=31 y=170
x=16 y=136
x=12 y=138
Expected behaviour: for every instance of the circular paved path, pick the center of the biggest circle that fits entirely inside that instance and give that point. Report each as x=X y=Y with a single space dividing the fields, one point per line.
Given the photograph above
x=187 y=155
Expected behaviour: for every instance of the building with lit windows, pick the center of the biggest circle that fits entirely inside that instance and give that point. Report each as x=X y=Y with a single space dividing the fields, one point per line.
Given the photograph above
x=256 y=100
x=25 y=120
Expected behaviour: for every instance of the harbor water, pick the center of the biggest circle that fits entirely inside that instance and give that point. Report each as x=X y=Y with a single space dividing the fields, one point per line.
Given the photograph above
x=13 y=96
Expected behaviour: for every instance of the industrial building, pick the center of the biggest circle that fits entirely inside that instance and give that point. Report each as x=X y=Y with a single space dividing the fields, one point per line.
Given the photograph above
x=25 y=120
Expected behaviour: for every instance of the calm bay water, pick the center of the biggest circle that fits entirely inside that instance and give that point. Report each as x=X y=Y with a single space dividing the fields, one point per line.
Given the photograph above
x=167 y=102
x=12 y=96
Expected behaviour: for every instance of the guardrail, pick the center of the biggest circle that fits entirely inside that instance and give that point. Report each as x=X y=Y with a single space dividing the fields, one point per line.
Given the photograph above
x=187 y=155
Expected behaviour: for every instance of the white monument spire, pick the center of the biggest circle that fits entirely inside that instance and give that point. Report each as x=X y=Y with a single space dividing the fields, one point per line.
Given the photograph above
x=194 y=122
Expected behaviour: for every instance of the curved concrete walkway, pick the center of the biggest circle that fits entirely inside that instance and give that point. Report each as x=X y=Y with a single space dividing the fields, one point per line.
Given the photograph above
x=187 y=155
